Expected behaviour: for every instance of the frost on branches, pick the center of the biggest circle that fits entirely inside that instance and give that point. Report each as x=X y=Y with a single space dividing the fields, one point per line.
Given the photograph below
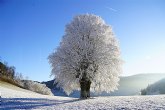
x=88 y=57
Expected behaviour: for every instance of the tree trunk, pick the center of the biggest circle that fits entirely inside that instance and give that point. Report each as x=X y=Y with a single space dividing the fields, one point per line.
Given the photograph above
x=85 y=89
x=88 y=89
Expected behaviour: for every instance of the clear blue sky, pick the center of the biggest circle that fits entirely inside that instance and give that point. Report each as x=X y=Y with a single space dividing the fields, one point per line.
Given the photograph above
x=31 y=29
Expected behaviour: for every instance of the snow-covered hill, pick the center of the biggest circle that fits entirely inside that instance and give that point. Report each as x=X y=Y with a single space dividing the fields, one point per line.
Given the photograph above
x=14 y=98
x=155 y=88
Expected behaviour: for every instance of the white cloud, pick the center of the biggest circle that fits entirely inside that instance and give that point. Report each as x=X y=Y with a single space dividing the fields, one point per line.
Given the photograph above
x=111 y=9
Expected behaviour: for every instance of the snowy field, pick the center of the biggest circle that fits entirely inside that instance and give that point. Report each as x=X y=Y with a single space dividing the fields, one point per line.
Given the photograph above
x=17 y=98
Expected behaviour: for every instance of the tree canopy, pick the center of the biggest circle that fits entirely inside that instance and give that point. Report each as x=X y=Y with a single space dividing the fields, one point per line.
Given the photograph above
x=89 y=51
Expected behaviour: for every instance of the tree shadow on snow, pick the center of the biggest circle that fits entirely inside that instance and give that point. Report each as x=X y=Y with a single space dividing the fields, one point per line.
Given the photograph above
x=30 y=103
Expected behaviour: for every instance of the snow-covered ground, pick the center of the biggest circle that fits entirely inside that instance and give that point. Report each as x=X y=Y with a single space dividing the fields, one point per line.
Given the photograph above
x=14 y=98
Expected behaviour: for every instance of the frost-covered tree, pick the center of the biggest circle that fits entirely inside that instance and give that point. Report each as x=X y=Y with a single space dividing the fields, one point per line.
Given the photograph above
x=88 y=57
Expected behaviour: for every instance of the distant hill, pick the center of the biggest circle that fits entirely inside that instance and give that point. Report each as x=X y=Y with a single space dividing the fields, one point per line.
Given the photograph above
x=129 y=85
x=50 y=84
x=155 y=88
x=132 y=85
x=57 y=91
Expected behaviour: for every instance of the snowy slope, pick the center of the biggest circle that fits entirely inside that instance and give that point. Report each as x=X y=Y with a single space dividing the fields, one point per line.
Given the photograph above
x=14 y=98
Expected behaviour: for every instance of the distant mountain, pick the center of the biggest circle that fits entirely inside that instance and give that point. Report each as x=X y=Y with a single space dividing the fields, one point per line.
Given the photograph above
x=50 y=84
x=132 y=85
x=155 y=88
x=129 y=85
x=57 y=91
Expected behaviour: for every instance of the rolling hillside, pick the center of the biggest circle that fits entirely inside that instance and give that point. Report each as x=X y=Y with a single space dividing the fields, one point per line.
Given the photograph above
x=132 y=85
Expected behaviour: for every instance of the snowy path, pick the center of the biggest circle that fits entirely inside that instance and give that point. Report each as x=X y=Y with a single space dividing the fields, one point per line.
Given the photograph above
x=16 y=100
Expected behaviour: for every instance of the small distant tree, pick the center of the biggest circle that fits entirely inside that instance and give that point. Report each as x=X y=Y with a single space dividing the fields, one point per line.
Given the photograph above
x=7 y=71
x=11 y=72
x=88 y=57
x=143 y=92
x=19 y=76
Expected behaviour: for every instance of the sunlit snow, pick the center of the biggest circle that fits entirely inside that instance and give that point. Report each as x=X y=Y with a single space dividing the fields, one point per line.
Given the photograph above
x=16 y=99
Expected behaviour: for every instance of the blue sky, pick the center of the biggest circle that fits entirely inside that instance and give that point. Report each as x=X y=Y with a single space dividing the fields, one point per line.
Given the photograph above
x=31 y=29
